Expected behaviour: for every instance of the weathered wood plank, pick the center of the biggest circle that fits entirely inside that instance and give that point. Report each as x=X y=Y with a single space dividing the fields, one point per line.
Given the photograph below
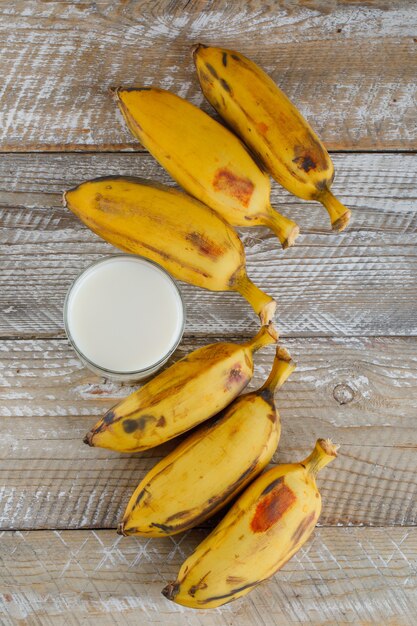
x=342 y=576
x=60 y=58
x=360 y=282
x=360 y=392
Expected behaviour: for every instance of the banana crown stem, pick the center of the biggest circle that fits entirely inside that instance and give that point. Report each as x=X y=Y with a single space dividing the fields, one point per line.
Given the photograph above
x=266 y=335
x=282 y=368
x=262 y=304
x=324 y=452
x=339 y=214
x=285 y=229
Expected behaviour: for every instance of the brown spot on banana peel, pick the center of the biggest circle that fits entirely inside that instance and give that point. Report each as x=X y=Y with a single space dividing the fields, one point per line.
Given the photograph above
x=272 y=486
x=204 y=245
x=230 y=594
x=233 y=185
x=200 y=585
x=304 y=526
x=305 y=162
x=224 y=59
x=108 y=236
x=267 y=395
x=262 y=127
x=236 y=376
x=109 y=417
x=272 y=507
x=226 y=86
x=130 y=89
x=140 y=423
x=205 y=78
x=212 y=505
x=235 y=580
x=212 y=70
x=140 y=496
x=257 y=154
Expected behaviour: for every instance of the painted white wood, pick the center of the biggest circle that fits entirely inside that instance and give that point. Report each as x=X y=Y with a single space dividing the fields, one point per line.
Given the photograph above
x=341 y=576
x=359 y=282
x=348 y=67
x=360 y=392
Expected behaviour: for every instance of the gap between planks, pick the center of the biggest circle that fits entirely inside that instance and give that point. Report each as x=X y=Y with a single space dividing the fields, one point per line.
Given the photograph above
x=342 y=284
x=48 y=477
x=61 y=58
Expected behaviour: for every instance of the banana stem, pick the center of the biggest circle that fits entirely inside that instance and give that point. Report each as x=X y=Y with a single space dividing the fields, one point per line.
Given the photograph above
x=285 y=229
x=261 y=303
x=324 y=452
x=282 y=367
x=339 y=214
x=266 y=335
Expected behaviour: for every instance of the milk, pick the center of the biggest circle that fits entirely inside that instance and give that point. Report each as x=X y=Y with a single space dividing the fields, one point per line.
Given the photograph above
x=124 y=314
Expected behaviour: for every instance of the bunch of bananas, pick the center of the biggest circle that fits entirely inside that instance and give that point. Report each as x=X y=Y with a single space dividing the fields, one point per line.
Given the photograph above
x=192 y=237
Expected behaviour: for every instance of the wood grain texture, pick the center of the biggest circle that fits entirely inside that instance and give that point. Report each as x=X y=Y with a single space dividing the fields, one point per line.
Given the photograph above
x=349 y=66
x=366 y=400
x=357 y=576
x=360 y=282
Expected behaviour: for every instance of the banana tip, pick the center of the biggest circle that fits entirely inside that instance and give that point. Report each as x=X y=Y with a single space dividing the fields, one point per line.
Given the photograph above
x=329 y=447
x=292 y=236
x=341 y=223
x=64 y=199
x=283 y=354
x=120 y=529
x=114 y=93
x=195 y=48
x=88 y=439
x=170 y=591
x=268 y=312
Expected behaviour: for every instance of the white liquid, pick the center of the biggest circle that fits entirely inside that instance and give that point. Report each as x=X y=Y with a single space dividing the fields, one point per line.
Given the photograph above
x=125 y=314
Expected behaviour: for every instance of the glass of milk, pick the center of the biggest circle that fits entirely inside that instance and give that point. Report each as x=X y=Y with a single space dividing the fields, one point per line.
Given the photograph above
x=124 y=316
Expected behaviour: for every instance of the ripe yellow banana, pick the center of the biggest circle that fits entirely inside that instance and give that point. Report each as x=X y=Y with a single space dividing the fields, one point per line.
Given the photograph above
x=212 y=465
x=270 y=521
x=204 y=157
x=270 y=125
x=184 y=395
x=183 y=235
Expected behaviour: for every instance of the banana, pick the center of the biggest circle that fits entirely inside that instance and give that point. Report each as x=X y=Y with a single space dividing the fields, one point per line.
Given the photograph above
x=265 y=527
x=204 y=157
x=184 y=395
x=187 y=238
x=270 y=125
x=212 y=465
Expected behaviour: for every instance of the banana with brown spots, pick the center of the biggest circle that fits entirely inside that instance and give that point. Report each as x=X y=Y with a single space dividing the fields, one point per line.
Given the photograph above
x=182 y=396
x=270 y=125
x=265 y=527
x=188 y=239
x=212 y=465
x=204 y=157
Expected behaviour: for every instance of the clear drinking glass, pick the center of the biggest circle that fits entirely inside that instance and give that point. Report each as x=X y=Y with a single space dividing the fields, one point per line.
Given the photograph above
x=117 y=375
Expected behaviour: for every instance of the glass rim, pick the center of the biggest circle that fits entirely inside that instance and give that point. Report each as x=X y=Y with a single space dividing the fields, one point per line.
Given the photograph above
x=81 y=354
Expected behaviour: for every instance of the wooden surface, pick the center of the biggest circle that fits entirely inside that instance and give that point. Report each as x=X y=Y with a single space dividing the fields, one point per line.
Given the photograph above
x=349 y=66
x=346 y=308
x=360 y=282
x=342 y=576
x=365 y=399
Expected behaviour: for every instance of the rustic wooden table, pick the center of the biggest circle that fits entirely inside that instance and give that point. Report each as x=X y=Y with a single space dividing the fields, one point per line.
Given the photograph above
x=347 y=308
